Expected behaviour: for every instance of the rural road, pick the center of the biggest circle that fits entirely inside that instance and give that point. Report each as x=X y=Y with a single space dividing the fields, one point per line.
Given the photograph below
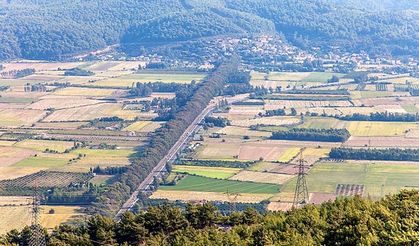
x=173 y=151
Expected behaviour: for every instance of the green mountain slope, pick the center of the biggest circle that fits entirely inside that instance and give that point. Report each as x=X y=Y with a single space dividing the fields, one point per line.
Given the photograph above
x=51 y=29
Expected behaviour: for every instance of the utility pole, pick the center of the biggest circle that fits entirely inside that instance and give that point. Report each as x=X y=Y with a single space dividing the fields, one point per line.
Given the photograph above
x=37 y=233
x=301 y=191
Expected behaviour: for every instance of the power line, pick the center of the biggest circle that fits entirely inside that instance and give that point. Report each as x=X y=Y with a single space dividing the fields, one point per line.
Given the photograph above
x=37 y=237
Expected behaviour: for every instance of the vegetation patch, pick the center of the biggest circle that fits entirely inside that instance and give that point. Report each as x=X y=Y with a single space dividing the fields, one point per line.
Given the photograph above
x=390 y=154
x=210 y=172
x=323 y=135
x=197 y=183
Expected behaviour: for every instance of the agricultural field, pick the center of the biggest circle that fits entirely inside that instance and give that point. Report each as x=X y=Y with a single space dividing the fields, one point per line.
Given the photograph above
x=197 y=183
x=373 y=128
x=379 y=178
x=15 y=213
x=210 y=172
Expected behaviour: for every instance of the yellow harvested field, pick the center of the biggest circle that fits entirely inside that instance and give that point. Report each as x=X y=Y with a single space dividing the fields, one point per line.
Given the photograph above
x=61 y=215
x=12 y=172
x=19 y=117
x=137 y=126
x=62 y=102
x=11 y=155
x=370 y=128
x=41 y=145
x=320 y=152
x=90 y=92
x=19 y=216
x=174 y=195
x=289 y=154
x=279 y=104
x=262 y=177
x=4 y=143
x=143 y=126
x=402 y=80
x=279 y=206
x=274 y=121
x=91 y=112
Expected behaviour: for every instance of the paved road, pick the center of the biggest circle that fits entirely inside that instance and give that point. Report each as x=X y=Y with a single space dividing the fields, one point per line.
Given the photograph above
x=172 y=153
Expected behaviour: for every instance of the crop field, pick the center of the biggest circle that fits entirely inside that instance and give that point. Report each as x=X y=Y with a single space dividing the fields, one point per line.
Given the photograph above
x=19 y=117
x=168 y=77
x=92 y=112
x=288 y=155
x=379 y=178
x=373 y=128
x=11 y=155
x=76 y=91
x=42 y=145
x=99 y=157
x=175 y=195
x=241 y=151
x=274 y=121
x=143 y=126
x=370 y=94
x=242 y=131
x=19 y=215
x=261 y=177
x=196 y=183
x=210 y=172
x=322 y=123
x=45 y=161
x=384 y=142
x=62 y=102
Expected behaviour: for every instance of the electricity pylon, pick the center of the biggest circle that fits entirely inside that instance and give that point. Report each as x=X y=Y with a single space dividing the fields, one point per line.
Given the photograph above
x=37 y=233
x=301 y=191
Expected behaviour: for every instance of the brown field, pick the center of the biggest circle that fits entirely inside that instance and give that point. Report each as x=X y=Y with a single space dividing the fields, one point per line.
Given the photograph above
x=40 y=66
x=12 y=172
x=59 y=125
x=62 y=102
x=19 y=117
x=242 y=131
x=277 y=104
x=279 y=206
x=91 y=112
x=401 y=142
x=174 y=195
x=274 y=121
x=12 y=155
x=261 y=177
x=386 y=101
x=76 y=91
x=269 y=150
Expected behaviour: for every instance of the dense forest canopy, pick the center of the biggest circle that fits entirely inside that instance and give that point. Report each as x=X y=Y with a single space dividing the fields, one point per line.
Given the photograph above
x=51 y=29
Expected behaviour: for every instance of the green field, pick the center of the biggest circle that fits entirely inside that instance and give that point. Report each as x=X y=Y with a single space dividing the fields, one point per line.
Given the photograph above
x=210 y=172
x=44 y=162
x=379 y=178
x=197 y=183
x=376 y=128
x=320 y=77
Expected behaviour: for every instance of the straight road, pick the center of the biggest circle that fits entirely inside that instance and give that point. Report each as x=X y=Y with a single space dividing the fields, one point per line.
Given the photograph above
x=173 y=151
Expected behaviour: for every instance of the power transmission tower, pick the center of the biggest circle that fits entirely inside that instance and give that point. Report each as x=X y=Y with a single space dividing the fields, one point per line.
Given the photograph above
x=232 y=198
x=301 y=191
x=37 y=233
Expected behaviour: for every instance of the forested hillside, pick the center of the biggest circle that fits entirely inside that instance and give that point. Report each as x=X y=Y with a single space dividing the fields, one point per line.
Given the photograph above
x=50 y=29
x=347 y=221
